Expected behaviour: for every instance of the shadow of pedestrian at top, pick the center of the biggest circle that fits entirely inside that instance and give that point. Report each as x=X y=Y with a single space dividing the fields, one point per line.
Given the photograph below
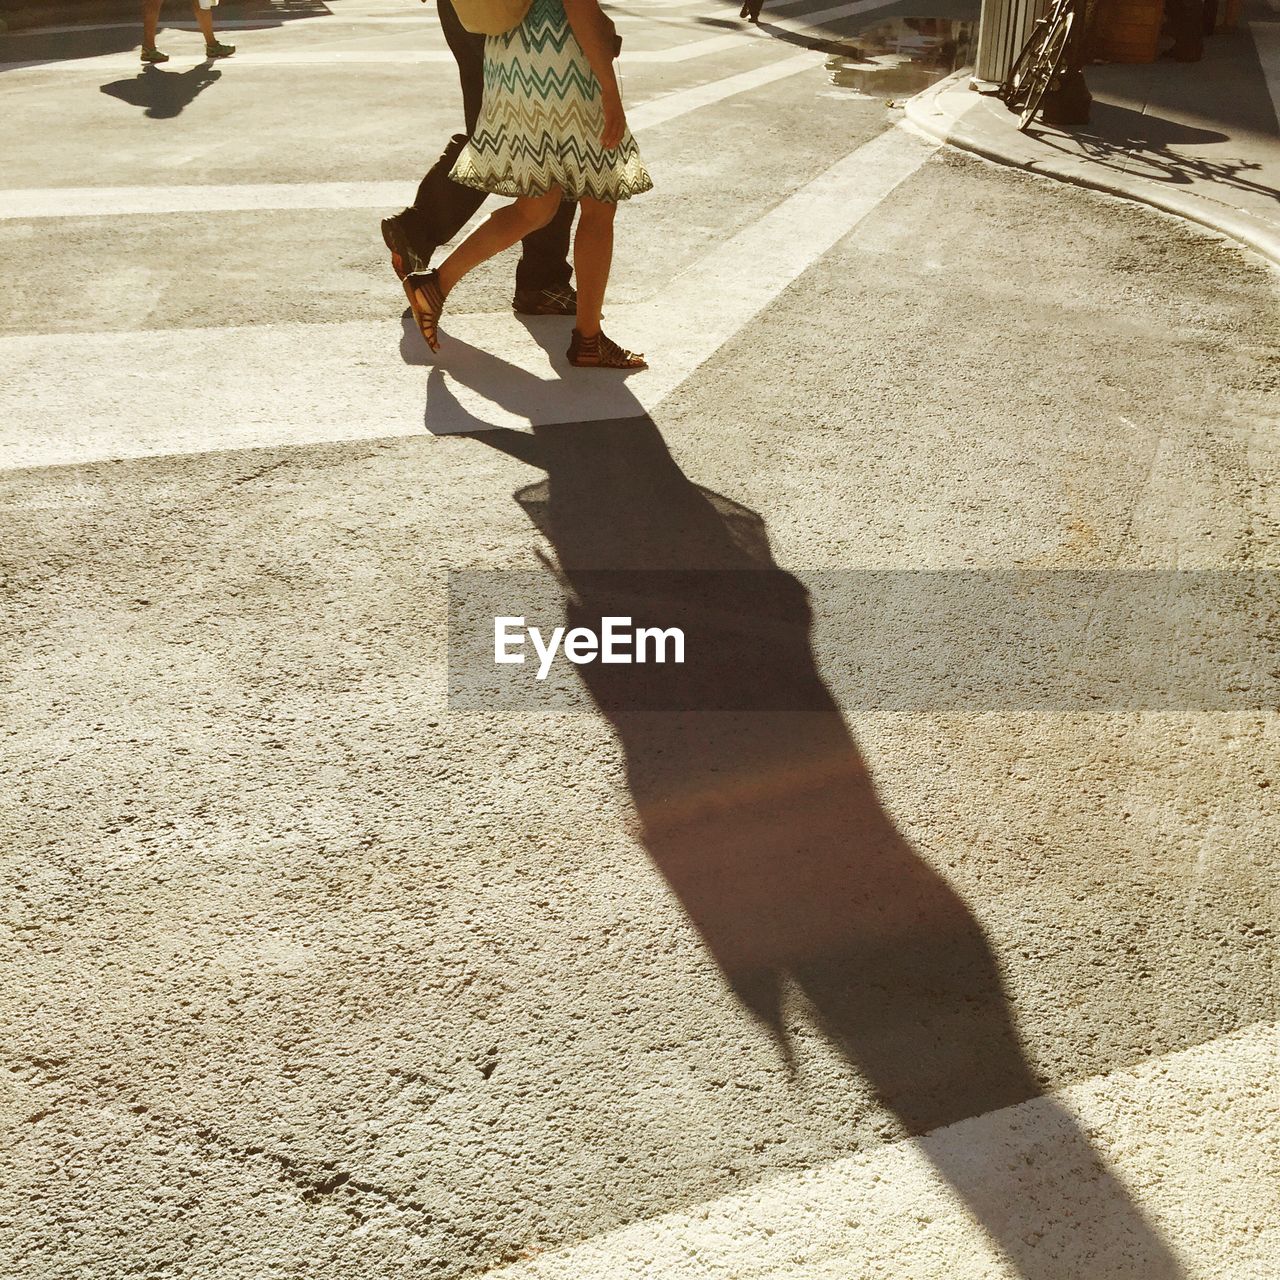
x=37 y=39
x=756 y=806
x=163 y=94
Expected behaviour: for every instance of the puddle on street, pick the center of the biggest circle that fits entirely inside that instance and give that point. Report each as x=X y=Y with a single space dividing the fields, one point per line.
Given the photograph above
x=902 y=56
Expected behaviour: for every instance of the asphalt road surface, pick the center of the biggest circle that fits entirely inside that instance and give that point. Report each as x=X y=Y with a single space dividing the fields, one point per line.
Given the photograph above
x=310 y=972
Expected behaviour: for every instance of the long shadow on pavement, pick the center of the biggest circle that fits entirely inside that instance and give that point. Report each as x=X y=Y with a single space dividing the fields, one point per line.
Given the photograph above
x=163 y=94
x=498 y=388
x=756 y=806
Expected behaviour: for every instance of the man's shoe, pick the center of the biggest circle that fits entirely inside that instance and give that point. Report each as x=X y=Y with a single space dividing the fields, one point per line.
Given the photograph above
x=406 y=256
x=219 y=50
x=153 y=56
x=562 y=301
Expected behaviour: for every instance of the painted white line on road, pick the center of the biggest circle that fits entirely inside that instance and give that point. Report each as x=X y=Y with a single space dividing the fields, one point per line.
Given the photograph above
x=295 y=22
x=245 y=57
x=660 y=8
x=634 y=11
x=1203 y=1175
x=734 y=39
x=389 y=57
x=131 y=395
x=328 y=57
x=100 y=202
x=1266 y=40
x=670 y=106
x=803 y=22
x=97 y=202
x=324 y=22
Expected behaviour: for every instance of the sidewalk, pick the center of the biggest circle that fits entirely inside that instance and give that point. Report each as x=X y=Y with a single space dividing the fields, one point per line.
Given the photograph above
x=1198 y=140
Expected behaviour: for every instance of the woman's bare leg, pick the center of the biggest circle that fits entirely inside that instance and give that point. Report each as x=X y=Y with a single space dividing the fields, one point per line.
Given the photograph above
x=150 y=20
x=499 y=231
x=204 y=20
x=592 y=258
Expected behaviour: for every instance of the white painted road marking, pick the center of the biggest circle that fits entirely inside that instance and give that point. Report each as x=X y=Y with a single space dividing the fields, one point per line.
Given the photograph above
x=130 y=395
x=325 y=22
x=1203 y=1173
x=326 y=57
x=100 y=202
x=802 y=22
x=361 y=57
x=669 y=106
x=97 y=202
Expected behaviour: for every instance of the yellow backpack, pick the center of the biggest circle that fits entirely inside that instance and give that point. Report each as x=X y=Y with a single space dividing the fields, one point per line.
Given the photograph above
x=491 y=17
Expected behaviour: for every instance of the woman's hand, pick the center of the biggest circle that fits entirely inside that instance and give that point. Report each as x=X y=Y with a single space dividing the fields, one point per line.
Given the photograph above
x=615 y=121
x=599 y=40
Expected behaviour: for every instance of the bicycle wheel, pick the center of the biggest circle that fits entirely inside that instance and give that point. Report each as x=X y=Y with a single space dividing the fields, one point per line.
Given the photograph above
x=1014 y=86
x=1045 y=69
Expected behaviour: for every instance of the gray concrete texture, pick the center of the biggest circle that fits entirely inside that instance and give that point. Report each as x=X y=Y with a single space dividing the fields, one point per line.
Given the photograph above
x=307 y=975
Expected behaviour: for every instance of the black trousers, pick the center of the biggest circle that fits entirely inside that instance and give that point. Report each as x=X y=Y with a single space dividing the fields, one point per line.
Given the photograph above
x=441 y=207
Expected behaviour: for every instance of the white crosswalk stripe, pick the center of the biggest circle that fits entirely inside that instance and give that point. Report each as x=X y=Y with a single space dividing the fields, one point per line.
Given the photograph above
x=492 y=371
x=65 y=202
x=333 y=23
x=306 y=57
x=891 y=1212
x=317 y=57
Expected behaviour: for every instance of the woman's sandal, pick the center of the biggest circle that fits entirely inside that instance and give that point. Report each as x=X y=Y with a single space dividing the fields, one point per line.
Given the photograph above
x=601 y=352
x=426 y=301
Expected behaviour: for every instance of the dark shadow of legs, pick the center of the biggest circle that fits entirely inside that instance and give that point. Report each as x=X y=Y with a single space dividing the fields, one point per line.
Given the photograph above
x=163 y=94
x=506 y=389
x=756 y=806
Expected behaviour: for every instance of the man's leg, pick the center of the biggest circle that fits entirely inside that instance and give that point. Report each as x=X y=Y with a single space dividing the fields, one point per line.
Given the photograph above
x=213 y=47
x=442 y=207
x=150 y=20
x=468 y=52
x=544 y=260
x=204 y=20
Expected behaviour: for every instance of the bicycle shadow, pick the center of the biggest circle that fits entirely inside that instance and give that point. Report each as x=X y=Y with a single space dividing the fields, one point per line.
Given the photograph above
x=756 y=806
x=1147 y=146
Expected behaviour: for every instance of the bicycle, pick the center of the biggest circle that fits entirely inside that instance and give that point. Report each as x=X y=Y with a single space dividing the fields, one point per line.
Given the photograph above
x=1038 y=64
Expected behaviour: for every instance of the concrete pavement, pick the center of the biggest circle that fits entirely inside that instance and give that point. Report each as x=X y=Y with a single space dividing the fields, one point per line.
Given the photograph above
x=309 y=973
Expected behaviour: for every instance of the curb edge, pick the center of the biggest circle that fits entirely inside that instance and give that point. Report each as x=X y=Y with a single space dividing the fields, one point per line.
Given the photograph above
x=1243 y=229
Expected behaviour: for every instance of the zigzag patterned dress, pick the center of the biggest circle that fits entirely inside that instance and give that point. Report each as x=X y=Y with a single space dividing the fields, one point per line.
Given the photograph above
x=542 y=117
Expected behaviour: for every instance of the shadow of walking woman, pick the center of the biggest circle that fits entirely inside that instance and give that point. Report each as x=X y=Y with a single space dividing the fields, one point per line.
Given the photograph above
x=756 y=806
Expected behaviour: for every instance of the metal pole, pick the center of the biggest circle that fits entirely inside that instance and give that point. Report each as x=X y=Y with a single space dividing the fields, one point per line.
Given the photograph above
x=1004 y=27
